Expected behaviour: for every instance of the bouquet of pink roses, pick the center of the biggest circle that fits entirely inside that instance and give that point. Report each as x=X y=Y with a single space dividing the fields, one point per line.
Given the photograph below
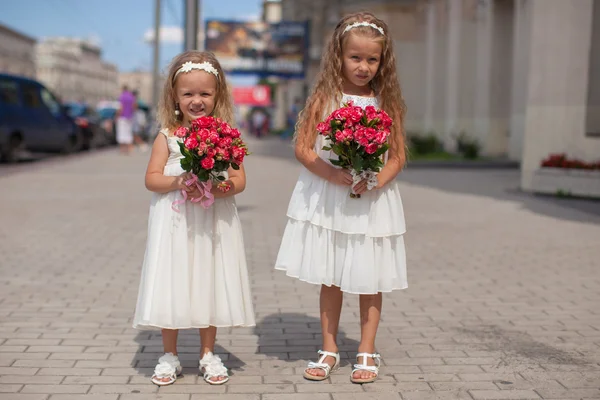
x=359 y=138
x=209 y=147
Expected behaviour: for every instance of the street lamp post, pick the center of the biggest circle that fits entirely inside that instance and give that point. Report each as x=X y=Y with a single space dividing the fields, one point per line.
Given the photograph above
x=191 y=24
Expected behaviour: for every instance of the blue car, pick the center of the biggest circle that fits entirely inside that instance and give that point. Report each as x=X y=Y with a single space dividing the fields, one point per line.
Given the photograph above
x=31 y=118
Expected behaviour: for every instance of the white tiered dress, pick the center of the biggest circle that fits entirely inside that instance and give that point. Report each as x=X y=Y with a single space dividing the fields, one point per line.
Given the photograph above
x=194 y=273
x=355 y=244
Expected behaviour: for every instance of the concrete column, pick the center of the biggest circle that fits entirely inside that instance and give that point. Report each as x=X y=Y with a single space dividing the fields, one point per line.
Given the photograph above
x=560 y=42
x=520 y=70
x=452 y=72
x=483 y=59
x=430 y=60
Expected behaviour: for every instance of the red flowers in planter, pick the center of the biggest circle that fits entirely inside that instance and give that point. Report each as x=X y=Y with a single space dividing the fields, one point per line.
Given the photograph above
x=561 y=161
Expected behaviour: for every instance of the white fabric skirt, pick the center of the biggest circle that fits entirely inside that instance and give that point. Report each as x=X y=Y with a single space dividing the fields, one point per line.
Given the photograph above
x=194 y=273
x=333 y=239
x=124 y=131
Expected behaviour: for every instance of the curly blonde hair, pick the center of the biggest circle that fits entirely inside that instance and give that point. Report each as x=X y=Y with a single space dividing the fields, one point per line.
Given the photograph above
x=167 y=105
x=327 y=90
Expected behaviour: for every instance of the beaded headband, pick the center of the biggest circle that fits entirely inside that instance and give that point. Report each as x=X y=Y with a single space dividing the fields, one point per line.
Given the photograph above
x=189 y=66
x=363 y=23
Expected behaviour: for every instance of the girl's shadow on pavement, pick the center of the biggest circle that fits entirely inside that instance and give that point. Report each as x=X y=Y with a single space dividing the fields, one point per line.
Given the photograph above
x=292 y=337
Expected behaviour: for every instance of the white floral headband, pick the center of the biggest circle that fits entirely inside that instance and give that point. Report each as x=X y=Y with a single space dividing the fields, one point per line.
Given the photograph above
x=189 y=66
x=363 y=23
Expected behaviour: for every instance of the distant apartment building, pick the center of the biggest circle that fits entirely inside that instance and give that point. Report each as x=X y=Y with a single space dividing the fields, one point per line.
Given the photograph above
x=74 y=70
x=17 y=53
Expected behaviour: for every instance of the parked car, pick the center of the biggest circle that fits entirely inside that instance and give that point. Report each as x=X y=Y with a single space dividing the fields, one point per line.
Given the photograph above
x=89 y=122
x=107 y=116
x=31 y=118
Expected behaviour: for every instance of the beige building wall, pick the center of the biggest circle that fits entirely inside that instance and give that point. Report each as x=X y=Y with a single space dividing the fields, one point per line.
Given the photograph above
x=558 y=82
x=140 y=81
x=73 y=69
x=17 y=53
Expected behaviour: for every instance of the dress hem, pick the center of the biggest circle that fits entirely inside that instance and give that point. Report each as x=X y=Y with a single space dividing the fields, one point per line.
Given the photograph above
x=333 y=284
x=152 y=326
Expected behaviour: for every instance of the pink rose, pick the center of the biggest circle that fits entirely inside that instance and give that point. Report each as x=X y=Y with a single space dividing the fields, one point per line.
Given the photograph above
x=203 y=122
x=211 y=152
x=208 y=163
x=324 y=128
x=226 y=130
x=190 y=143
x=181 y=132
x=355 y=114
x=238 y=154
x=235 y=133
x=203 y=134
x=371 y=148
x=202 y=147
x=213 y=137
x=225 y=142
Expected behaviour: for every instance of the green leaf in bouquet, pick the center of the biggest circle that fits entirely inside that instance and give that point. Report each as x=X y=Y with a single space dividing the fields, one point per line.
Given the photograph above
x=326 y=148
x=357 y=163
x=203 y=175
x=381 y=150
x=186 y=164
x=335 y=162
x=220 y=178
x=235 y=166
x=337 y=149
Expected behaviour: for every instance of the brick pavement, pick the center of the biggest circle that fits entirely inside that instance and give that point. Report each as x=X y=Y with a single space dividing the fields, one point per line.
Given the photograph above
x=503 y=299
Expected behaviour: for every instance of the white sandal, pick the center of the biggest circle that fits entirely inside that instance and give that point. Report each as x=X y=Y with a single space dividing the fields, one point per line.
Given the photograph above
x=168 y=367
x=364 y=367
x=321 y=364
x=211 y=366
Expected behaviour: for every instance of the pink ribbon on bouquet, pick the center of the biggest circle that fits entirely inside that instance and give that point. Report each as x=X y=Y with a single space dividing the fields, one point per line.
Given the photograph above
x=206 y=198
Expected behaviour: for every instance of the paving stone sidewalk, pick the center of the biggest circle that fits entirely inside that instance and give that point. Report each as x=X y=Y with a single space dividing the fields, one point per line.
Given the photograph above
x=503 y=299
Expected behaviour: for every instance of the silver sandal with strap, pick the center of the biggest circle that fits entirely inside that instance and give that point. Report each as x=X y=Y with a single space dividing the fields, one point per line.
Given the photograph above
x=212 y=367
x=168 y=367
x=364 y=367
x=321 y=364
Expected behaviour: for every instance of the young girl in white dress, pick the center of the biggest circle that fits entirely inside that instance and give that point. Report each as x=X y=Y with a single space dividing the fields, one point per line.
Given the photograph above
x=344 y=244
x=194 y=273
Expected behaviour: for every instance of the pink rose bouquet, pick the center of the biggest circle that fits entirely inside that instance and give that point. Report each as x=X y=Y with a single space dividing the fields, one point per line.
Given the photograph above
x=359 y=138
x=209 y=147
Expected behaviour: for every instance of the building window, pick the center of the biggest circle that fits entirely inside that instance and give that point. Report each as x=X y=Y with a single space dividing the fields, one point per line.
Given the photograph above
x=593 y=101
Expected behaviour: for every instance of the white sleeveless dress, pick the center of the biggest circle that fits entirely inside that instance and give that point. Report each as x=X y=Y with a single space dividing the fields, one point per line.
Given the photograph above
x=194 y=273
x=356 y=244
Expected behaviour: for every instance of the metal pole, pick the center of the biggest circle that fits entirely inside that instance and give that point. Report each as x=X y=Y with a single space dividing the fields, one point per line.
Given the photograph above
x=156 y=60
x=190 y=31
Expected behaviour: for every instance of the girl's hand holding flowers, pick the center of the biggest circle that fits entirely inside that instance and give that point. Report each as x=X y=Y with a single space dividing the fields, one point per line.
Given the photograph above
x=209 y=147
x=359 y=138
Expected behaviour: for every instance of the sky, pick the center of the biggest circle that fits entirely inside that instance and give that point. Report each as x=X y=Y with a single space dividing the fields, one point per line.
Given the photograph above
x=120 y=27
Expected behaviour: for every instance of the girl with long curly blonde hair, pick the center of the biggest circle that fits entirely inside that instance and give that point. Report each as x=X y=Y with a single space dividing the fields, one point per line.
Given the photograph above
x=191 y=251
x=344 y=244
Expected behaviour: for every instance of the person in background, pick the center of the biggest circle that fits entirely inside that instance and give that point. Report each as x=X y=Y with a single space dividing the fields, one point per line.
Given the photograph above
x=125 y=116
x=139 y=125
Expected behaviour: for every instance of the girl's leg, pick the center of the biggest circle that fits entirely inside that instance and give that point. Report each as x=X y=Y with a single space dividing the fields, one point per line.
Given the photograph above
x=208 y=336
x=169 y=339
x=331 y=308
x=370 y=313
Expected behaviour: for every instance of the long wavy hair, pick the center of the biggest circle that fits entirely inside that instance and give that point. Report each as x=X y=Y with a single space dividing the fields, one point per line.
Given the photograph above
x=168 y=101
x=327 y=91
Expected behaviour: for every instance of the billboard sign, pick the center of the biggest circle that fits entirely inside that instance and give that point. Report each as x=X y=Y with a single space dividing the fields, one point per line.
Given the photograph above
x=244 y=47
x=259 y=95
